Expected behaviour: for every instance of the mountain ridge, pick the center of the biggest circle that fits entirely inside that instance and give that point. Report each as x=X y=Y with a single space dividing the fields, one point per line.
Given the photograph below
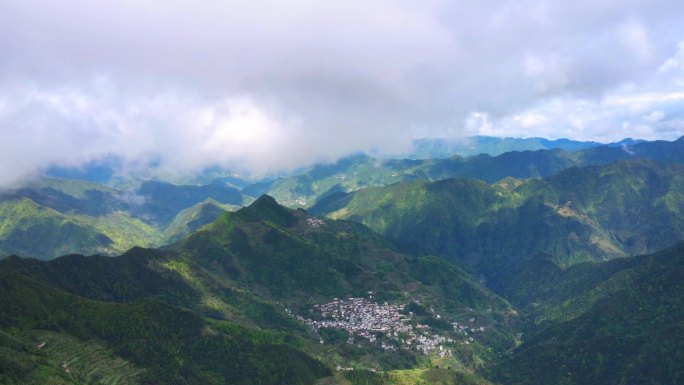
x=582 y=214
x=361 y=171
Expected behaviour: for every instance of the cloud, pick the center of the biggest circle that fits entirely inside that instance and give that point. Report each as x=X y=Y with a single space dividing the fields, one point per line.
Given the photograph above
x=634 y=37
x=654 y=117
x=268 y=86
x=531 y=119
x=613 y=117
x=549 y=72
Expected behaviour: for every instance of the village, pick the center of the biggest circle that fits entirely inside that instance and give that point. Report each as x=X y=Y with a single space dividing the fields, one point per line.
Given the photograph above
x=388 y=325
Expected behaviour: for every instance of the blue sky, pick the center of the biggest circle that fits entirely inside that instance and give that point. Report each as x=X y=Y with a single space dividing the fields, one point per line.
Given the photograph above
x=269 y=85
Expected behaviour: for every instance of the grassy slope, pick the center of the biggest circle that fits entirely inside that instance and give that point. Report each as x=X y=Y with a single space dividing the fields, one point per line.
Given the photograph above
x=348 y=174
x=78 y=189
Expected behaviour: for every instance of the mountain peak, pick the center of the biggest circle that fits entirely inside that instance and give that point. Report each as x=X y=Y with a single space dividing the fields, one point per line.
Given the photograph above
x=265 y=199
x=266 y=208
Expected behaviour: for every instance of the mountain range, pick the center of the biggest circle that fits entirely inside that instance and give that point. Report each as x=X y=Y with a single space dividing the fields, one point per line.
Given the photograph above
x=429 y=148
x=53 y=217
x=229 y=302
x=360 y=171
x=245 y=269
x=545 y=266
x=581 y=214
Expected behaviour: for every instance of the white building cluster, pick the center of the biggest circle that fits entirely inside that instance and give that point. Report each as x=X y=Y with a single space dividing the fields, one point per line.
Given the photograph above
x=314 y=222
x=383 y=324
x=360 y=317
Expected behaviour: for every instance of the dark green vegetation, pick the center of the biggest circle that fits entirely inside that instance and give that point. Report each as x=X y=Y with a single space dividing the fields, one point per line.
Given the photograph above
x=54 y=217
x=617 y=322
x=173 y=313
x=582 y=214
x=171 y=345
x=360 y=171
x=288 y=255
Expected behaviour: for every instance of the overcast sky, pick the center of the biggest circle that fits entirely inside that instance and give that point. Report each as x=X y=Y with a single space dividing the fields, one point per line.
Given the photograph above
x=271 y=85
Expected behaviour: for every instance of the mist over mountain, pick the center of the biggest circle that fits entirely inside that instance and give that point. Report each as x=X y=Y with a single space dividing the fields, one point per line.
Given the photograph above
x=61 y=216
x=479 y=281
x=341 y=193
x=361 y=171
x=427 y=148
x=112 y=170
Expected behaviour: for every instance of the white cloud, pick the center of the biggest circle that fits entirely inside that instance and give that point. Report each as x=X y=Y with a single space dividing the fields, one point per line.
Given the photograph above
x=654 y=117
x=645 y=99
x=633 y=36
x=609 y=119
x=548 y=70
x=672 y=69
x=530 y=119
x=478 y=124
x=267 y=85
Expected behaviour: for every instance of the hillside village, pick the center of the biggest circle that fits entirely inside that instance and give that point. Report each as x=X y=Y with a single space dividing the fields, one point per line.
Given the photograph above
x=388 y=325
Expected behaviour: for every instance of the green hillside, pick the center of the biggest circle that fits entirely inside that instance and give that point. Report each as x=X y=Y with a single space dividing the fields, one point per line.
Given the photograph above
x=72 y=216
x=292 y=254
x=194 y=217
x=170 y=345
x=617 y=322
x=298 y=260
x=52 y=217
x=582 y=214
x=29 y=229
x=265 y=265
x=238 y=301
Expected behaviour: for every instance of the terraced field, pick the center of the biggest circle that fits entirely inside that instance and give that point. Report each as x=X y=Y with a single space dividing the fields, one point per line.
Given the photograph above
x=82 y=362
x=432 y=377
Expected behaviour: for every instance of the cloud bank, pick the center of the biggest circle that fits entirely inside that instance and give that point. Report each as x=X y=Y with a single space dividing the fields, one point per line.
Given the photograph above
x=268 y=86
